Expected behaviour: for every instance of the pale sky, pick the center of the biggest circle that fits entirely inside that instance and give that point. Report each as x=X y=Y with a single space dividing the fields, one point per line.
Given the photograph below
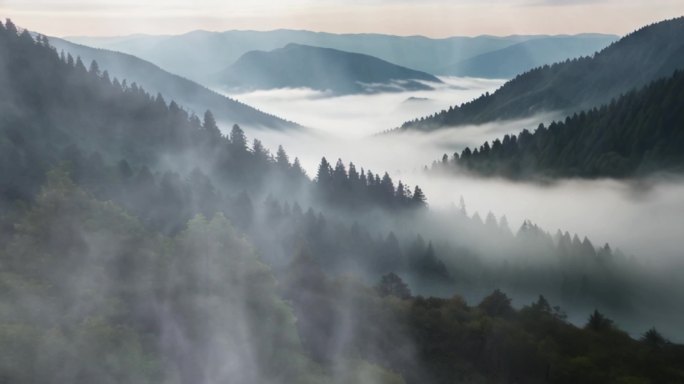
x=434 y=18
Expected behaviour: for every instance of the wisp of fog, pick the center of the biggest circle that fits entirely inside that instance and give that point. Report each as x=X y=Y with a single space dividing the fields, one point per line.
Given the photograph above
x=636 y=217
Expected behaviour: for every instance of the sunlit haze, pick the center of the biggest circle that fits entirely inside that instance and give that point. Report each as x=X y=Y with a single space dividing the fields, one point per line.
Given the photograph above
x=341 y=191
x=434 y=18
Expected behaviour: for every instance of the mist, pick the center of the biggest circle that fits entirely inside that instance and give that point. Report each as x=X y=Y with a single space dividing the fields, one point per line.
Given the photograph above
x=642 y=218
x=143 y=243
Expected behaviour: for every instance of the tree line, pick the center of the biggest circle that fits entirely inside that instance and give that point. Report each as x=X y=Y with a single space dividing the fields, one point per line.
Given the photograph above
x=636 y=134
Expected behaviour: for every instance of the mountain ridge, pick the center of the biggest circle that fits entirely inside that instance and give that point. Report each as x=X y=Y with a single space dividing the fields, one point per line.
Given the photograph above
x=323 y=69
x=636 y=135
x=195 y=54
x=518 y=58
x=644 y=55
x=186 y=92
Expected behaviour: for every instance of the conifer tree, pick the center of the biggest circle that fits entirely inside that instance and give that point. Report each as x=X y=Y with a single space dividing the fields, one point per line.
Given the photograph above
x=282 y=160
x=210 y=126
x=419 y=199
x=238 y=140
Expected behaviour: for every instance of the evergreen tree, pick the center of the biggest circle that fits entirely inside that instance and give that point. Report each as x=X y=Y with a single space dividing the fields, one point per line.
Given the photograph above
x=496 y=304
x=297 y=167
x=259 y=151
x=282 y=160
x=419 y=199
x=210 y=126
x=238 y=140
x=387 y=187
x=324 y=174
x=392 y=285
x=598 y=322
x=10 y=27
x=94 y=68
x=654 y=339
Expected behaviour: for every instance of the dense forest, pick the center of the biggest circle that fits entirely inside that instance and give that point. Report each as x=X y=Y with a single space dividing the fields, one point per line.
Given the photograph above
x=139 y=244
x=637 y=59
x=639 y=133
x=186 y=92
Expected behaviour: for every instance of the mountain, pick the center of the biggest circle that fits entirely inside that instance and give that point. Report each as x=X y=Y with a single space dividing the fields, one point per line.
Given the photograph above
x=201 y=53
x=508 y=62
x=640 y=133
x=140 y=245
x=323 y=69
x=185 y=92
x=652 y=52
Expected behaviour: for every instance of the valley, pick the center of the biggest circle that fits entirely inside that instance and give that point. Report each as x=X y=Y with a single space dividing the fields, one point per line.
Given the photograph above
x=292 y=206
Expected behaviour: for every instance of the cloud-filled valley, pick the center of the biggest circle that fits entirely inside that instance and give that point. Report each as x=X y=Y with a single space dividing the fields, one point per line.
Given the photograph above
x=639 y=217
x=253 y=207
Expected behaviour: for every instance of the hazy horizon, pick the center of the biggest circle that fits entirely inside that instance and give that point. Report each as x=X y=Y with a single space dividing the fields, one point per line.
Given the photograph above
x=372 y=209
x=331 y=33
x=434 y=19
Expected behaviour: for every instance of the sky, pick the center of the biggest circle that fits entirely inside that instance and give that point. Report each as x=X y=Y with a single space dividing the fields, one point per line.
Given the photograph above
x=433 y=18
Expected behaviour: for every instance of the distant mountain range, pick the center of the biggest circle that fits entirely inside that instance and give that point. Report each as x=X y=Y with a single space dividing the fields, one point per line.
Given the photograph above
x=185 y=92
x=508 y=62
x=324 y=69
x=650 y=53
x=199 y=55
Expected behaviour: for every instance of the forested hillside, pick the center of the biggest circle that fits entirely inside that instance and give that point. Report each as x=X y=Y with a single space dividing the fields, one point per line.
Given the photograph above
x=140 y=245
x=640 y=133
x=183 y=91
x=650 y=53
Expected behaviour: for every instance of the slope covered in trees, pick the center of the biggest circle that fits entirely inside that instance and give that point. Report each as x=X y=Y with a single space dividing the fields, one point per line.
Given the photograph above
x=446 y=340
x=324 y=69
x=55 y=109
x=185 y=92
x=639 y=133
x=138 y=244
x=650 y=53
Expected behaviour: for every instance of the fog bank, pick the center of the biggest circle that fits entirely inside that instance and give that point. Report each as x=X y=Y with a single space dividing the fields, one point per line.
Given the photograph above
x=643 y=218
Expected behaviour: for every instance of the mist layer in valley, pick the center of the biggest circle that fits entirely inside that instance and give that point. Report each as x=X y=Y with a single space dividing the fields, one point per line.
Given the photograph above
x=640 y=217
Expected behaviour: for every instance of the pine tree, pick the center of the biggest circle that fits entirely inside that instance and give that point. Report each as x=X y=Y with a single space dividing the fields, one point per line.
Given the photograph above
x=238 y=140
x=10 y=27
x=94 y=68
x=392 y=285
x=353 y=174
x=598 y=322
x=339 y=174
x=324 y=174
x=210 y=126
x=282 y=160
x=297 y=167
x=419 y=199
x=401 y=192
x=387 y=187
x=79 y=65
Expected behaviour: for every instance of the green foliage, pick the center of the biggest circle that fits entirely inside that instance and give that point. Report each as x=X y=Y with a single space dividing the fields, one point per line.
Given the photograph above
x=496 y=304
x=598 y=322
x=652 y=52
x=445 y=341
x=114 y=268
x=393 y=285
x=638 y=133
x=363 y=190
x=90 y=295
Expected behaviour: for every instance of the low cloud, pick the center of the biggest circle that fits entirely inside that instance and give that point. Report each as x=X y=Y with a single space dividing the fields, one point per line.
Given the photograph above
x=641 y=218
